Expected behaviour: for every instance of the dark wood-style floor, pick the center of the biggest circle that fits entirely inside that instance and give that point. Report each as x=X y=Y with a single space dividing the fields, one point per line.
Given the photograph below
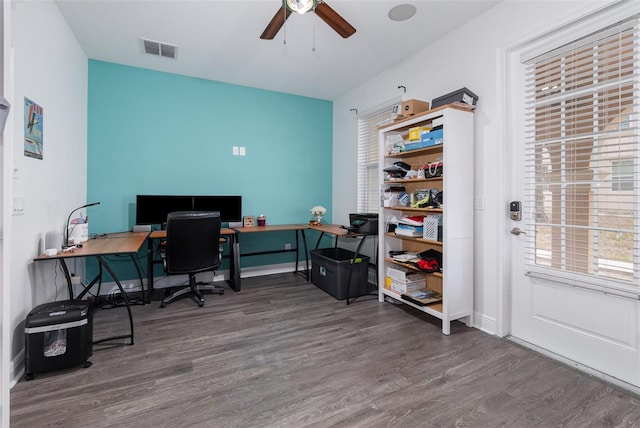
x=282 y=353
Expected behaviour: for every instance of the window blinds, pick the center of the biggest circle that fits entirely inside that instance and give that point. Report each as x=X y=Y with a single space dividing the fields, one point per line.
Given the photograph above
x=368 y=185
x=582 y=157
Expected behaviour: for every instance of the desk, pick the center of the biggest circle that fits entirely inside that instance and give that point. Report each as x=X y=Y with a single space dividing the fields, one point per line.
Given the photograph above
x=234 y=271
x=298 y=228
x=339 y=232
x=126 y=243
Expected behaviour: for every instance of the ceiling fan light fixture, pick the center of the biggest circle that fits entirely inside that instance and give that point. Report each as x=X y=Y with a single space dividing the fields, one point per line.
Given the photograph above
x=301 y=6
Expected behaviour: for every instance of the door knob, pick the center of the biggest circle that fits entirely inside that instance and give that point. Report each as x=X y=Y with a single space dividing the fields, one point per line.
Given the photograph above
x=516 y=231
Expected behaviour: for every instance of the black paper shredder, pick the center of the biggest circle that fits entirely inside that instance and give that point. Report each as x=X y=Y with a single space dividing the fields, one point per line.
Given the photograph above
x=58 y=335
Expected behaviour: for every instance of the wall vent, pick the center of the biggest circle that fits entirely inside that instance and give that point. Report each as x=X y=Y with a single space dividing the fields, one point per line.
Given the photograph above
x=153 y=47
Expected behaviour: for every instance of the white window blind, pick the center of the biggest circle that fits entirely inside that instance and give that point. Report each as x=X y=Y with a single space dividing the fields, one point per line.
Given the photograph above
x=583 y=158
x=368 y=185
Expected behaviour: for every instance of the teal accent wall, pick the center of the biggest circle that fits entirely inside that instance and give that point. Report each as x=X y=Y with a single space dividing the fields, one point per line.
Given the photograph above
x=159 y=133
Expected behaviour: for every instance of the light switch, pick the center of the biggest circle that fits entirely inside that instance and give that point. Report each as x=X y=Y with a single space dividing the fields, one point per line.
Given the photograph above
x=235 y=150
x=243 y=151
x=18 y=205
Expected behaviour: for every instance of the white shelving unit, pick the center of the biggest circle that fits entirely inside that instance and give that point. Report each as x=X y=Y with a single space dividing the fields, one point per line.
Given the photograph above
x=455 y=282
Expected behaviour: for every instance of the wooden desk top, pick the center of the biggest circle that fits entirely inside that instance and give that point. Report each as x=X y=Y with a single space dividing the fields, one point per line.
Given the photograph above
x=270 y=228
x=333 y=229
x=113 y=243
x=161 y=234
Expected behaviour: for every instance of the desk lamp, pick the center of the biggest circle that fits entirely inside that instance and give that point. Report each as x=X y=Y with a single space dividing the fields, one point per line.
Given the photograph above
x=66 y=230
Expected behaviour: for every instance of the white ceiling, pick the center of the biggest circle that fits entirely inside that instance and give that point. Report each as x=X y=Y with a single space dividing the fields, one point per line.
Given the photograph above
x=220 y=39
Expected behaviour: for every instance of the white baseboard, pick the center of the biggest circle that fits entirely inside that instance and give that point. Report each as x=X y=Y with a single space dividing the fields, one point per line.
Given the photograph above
x=166 y=281
x=484 y=323
x=16 y=368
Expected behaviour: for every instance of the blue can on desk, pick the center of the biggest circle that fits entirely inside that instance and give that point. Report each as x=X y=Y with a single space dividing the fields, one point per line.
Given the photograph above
x=58 y=335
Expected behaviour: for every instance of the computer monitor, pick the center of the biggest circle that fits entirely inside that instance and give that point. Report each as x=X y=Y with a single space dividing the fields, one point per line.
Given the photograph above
x=153 y=209
x=230 y=207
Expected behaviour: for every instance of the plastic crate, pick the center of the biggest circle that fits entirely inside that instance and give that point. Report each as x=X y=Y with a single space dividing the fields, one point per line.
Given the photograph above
x=330 y=272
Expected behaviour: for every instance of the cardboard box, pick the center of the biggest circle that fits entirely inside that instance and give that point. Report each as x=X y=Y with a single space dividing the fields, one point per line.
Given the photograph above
x=412 y=107
x=415 y=134
x=432 y=138
x=413 y=146
x=404 y=287
x=404 y=275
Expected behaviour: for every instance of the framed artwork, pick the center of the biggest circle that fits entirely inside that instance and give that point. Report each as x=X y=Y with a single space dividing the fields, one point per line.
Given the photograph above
x=33 y=116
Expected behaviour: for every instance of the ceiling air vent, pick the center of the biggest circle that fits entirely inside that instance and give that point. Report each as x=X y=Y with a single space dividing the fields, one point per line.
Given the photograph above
x=152 y=47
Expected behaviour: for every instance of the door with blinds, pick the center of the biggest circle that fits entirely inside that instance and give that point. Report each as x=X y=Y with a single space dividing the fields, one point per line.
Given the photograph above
x=576 y=265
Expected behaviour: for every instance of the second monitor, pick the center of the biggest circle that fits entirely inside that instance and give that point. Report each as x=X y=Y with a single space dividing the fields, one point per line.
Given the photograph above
x=153 y=209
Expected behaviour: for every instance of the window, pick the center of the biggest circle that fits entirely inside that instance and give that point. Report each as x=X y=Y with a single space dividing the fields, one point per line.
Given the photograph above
x=582 y=139
x=622 y=175
x=368 y=147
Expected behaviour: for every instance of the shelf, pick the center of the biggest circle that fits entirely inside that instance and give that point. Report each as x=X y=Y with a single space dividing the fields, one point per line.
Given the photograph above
x=423 y=210
x=412 y=180
x=427 y=115
x=456 y=245
x=423 y=151
x=434 y=309
x=409 y=266
x=409 y=238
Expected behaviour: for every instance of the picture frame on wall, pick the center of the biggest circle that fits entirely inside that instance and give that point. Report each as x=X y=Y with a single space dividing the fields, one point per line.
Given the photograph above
x=33 y=134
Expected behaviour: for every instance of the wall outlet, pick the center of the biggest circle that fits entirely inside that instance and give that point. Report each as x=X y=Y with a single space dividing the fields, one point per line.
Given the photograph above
x=76 y=280
x=287 y=246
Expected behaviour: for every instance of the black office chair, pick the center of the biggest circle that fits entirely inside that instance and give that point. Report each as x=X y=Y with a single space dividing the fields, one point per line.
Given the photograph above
x=193 y=246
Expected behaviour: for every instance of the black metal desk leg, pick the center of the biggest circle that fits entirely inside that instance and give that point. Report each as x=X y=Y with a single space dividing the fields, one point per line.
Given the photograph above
x=306 y=254
x=149 y=269
x=67 y=276
x=234 y=267
x=297 y=251
x=137 y=264
x=126 y=301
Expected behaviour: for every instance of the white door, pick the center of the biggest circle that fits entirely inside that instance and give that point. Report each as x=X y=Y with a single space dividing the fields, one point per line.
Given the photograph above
x=575 y=168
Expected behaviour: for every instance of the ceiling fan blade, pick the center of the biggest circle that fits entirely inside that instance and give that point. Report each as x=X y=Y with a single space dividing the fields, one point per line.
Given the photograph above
x=276 y=23
x=334 y=20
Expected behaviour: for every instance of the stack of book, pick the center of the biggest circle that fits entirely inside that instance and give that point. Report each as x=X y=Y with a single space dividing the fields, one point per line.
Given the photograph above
x=422 y=297
x=410 y=226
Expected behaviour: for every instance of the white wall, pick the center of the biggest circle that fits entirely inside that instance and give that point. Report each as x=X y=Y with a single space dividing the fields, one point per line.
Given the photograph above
x=49 y=68
x=469 y=57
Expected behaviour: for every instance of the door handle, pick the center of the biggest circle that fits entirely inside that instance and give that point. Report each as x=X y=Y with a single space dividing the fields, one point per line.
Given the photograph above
x=516 y=231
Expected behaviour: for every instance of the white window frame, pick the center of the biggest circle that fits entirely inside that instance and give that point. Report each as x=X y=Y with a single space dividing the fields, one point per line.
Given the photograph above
x=368 y=192
x=546 y=43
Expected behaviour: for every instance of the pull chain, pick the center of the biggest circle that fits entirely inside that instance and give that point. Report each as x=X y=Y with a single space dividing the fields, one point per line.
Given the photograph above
x=313 y=48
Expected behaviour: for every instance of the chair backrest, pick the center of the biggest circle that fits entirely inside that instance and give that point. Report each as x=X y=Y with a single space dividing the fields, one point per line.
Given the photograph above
x=193 y=242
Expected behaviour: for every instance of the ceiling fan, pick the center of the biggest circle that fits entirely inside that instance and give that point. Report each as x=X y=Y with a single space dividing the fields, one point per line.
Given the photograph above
x=321 y=8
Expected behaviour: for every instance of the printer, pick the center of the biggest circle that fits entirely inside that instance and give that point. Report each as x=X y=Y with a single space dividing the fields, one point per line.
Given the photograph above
x=364 y=223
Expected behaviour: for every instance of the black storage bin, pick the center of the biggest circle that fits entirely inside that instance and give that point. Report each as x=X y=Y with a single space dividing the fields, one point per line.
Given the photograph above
x=463 y=95
x=58 y=335
x=330 y=272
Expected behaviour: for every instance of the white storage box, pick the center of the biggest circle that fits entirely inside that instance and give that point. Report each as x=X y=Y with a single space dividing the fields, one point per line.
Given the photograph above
x=403 y=287
x=404 y=275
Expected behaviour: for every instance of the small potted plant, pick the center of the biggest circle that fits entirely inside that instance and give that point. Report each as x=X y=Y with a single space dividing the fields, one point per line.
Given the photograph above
x=317 y=212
